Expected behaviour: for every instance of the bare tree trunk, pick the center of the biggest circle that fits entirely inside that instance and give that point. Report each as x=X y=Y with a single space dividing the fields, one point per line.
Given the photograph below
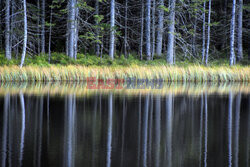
x=43 y=27
x=204 y=32
x=112 y=29
x=76 y=33
x=97 y=47
x=208 y=32
x=142 y=29
x=50 y=32
x=160 y=28
x=25 y=33
x=232 y=33
x=153 y=29
x=148 y=24
x=126 y=29
x=71 y=28
x=240 y=48
x=7 y=31
x=38 y=27
x=171 y=36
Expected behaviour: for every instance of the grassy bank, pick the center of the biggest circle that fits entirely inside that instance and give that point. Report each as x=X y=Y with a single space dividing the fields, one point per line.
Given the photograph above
x=192 y=73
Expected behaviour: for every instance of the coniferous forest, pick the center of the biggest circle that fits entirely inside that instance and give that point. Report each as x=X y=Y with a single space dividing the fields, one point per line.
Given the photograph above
x=171 y=31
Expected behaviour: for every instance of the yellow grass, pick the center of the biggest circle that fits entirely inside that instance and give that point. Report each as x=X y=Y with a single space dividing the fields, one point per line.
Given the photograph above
x=166 y=73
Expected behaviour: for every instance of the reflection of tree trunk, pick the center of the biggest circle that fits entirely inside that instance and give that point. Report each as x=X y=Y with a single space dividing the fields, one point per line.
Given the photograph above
x=48 y=136
x=123 y=128
x=145 y=131
x=22 y=129
x=230 y=129
x=40 y=134
x=169 y=104
x=157 y=131
x=206 y=131
x=201 y=129
x=139 y=133
x=69 y=131
x=94 y=131
x=110 y=123
x=237 y=129
x=150 y=130
x=5 y=127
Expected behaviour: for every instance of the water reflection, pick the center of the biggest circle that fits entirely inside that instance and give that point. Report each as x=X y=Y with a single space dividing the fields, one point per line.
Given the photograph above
x=120 y=130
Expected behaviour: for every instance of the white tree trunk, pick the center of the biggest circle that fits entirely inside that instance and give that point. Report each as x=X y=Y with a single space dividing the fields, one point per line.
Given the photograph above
x=160 y=28
x=7 y=31
x=142 y=29
x=38 y=27
x=97 y=47
x=126 y=29
x=112 y=29
x=148 y=27
x=76 y=33
x=204 y=32
x=240 y=48
x=71 y=28
x=25 y=33
x=208 y=32
x=232 y=31
x=171 y=36
x=50 y=33
x=43 y=27
x=153 y=29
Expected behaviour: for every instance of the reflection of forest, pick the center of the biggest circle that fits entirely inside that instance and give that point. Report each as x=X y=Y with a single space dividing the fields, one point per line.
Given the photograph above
x=119 y=130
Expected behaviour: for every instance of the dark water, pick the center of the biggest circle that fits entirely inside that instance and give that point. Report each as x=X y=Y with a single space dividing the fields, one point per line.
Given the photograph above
x=121 y=130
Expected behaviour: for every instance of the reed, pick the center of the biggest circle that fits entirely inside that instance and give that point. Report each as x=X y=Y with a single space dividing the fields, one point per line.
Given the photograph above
x=194 y=73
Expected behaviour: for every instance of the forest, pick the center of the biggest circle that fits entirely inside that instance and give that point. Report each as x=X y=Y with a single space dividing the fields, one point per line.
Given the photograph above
x=97 y=32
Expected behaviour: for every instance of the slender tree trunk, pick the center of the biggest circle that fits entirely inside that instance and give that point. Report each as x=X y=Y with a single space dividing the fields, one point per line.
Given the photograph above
x=112 y=29
x=160 y=28
x=25 y=33
x=50 y=33
x=7 y=31
x=72 y=27
x=97 y=47
x=43 y=27
x=38 y=27
x=171 y=36
x=142 y=29
x=153 y=29
x=194 y=36
x=240 y=48
x=208 y=31
x=126 y=29
x=76 y=33
x=148 y=24
x=204 y=32
x=232 y=33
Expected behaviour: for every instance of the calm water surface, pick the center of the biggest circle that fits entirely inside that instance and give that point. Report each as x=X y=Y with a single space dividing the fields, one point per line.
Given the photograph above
x=108 y=129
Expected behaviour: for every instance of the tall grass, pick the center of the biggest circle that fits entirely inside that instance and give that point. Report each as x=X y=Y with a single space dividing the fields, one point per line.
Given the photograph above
x=166 y=73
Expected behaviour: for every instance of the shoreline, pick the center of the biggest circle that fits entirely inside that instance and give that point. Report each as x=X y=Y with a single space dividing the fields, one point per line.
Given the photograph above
x=76 y=73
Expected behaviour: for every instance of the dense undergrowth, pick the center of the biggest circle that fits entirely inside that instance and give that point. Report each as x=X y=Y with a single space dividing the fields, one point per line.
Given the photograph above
x=92 y=60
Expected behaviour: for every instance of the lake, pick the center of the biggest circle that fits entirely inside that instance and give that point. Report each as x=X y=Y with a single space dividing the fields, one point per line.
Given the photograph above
x=67 y=124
